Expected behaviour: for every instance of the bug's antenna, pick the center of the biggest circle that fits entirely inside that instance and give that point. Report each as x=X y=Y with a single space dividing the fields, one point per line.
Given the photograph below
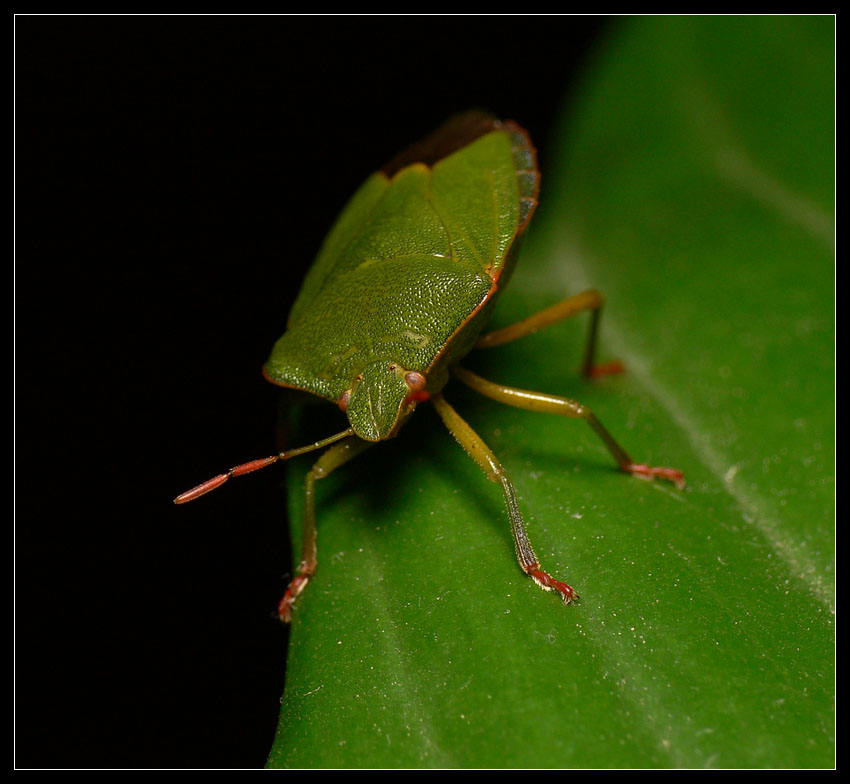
x=255 y=465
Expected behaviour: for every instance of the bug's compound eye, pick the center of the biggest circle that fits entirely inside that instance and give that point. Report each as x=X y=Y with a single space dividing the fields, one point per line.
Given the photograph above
x=416 y=384
x=344 y=400
x=415 y=381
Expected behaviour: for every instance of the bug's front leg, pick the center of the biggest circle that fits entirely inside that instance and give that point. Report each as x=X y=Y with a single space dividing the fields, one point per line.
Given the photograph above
x=480 y=452
x=563 y=406
x=336 y=456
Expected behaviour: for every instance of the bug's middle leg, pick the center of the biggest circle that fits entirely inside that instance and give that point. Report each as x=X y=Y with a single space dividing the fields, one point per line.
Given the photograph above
x=590 y=300
x=552 y=404
x=333 y=458
x=481 y=454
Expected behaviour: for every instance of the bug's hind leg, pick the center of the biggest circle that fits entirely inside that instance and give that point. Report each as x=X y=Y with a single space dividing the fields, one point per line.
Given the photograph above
x=481 y=454
x=333 y=458
x=552 y=404
x=590 y=300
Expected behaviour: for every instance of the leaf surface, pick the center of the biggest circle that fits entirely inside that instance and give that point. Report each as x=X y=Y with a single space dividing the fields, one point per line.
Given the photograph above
x=692 y=182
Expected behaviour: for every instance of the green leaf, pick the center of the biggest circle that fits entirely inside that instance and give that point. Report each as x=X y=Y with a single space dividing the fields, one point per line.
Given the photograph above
x=693 y=185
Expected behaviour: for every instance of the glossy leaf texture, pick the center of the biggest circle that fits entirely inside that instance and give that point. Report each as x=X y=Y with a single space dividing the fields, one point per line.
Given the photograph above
x=691 y=181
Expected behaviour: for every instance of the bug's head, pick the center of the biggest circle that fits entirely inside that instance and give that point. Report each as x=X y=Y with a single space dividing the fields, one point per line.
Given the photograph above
x=381 y=398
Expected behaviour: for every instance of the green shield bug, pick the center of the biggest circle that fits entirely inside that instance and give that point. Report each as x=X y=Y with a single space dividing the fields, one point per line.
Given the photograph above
x=401 y=291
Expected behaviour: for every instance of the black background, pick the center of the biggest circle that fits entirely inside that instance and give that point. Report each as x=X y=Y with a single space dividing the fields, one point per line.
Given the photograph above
x=174 y=178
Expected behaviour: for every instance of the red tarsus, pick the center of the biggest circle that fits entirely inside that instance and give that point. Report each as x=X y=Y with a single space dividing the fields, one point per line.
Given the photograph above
x=648 y=472
x=607 y=369
x=284 y=609
x=546 y=581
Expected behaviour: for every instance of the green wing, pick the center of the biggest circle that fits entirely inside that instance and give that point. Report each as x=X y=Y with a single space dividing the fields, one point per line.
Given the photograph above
x=410 y=258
